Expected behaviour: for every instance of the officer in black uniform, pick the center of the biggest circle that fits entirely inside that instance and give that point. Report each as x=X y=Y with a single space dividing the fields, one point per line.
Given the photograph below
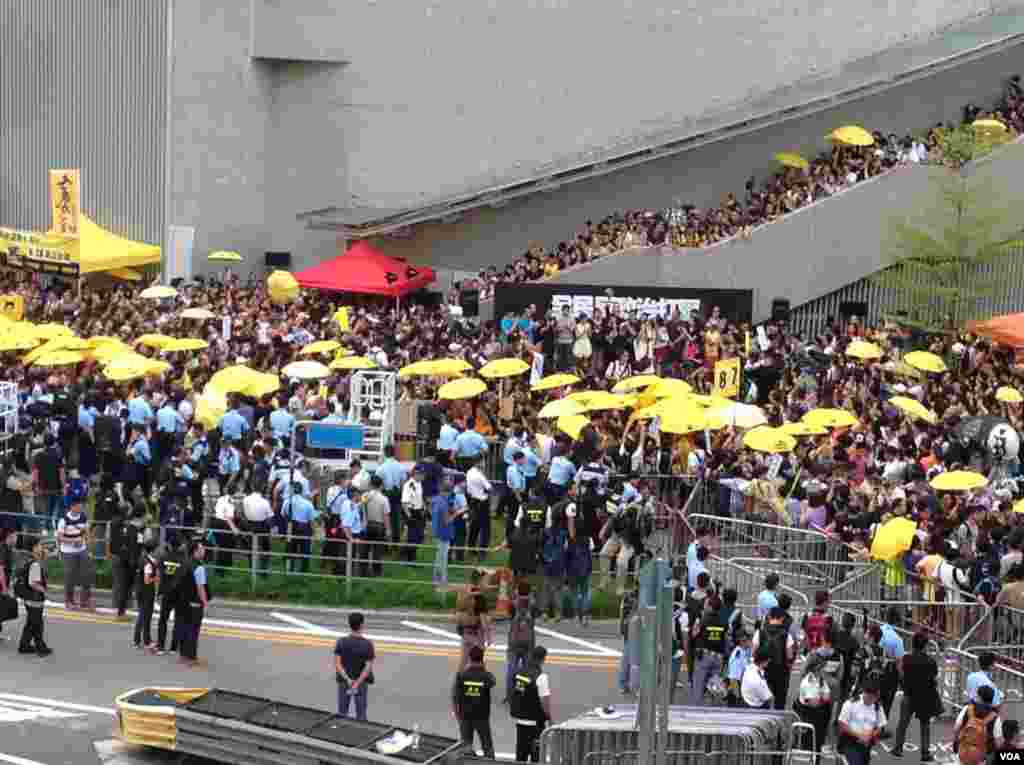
x=170 y=561
x=471 y=700
x=530 y=706
x=710 y=646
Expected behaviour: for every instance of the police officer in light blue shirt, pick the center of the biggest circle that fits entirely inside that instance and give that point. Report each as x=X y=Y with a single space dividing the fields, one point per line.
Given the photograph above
x=393 y=476
x=229 y=465
x=560 y=475
x=470 y=446
x=168 y=421
x=531 y=466
x=516 y=443
x=446 y=443
x=767 y=598
x=281 y=423
x=981 y=678
x=232 y=424
x=300 y=514
x=87 y=417
x=139 y=411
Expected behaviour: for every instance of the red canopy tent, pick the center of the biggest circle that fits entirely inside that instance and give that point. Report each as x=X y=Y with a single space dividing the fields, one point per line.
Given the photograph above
x=1007 y=330
x=366 y=270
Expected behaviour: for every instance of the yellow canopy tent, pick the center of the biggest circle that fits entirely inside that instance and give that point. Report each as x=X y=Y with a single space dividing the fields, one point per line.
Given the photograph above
x=96 y=249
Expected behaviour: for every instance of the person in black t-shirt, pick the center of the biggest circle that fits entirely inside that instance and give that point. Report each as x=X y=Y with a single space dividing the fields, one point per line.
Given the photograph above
x=471 y=701
x=353 y=666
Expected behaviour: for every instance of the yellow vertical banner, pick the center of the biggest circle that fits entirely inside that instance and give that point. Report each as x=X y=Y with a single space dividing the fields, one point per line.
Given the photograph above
x=342 y=316
x=727 y=378
x=746 y=343
x=65 y=201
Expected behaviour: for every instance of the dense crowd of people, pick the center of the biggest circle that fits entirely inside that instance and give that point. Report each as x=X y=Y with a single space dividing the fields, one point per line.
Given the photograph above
x=783 y=192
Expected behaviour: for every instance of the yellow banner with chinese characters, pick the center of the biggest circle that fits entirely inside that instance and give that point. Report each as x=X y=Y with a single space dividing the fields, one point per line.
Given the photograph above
x=727 y=378
x=342 y=317
x=12 y=306
x=65 y=201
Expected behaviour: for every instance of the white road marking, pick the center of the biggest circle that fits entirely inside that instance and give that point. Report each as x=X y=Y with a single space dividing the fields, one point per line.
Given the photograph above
x=11 y=712
x=57 y=704
x=10 y=758
x=307 y=626
x=433 y=631
x=576 y=641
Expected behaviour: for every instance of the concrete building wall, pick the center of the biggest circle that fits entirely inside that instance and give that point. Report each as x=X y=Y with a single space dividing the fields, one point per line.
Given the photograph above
x=702 y=176
x=445 y=95
x=220 y=129
x=83 y=85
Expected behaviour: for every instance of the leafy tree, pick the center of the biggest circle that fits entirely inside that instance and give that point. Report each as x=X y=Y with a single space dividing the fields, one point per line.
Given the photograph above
x=945 y=264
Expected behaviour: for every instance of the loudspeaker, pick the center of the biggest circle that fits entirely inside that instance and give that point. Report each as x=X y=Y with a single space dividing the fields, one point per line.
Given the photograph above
x=279 y=260
x=850 y=309
x=780 y=309
x=470 y=302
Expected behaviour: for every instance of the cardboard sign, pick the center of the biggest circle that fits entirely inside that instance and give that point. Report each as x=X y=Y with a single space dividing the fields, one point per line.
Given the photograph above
x=12 y=306
x=727 y=378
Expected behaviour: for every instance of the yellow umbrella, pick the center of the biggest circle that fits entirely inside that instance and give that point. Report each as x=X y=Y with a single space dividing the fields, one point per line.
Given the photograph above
x=862 y=349
x=225 y=256
x=893 y=538
x=958 y=480
x=596 y=401
x=709 y=401
x=158 y=292
x=16 y=343
x=49 y=331
x=435 y=368
x=830 y=418
x=792 y=159
x=124 y=373
x=669 y=387
x=98 y=341
x=925 y=361
x=572 y=424
x=682 y=421
x=563 y=407
x=306 y=370
x=210 y=407
x=1009 y=395
x=467 y=387
x=504 y=368
x=1018 y=506
x=185 y=344
x=261 y=384
x=125 y=274
x=56 y=344
x=320 y=346
x=665 y=407
x=110 y=351
x=155 y=367
x=772 y=440
x=231 y=379
x=282 y=288
x=558 y=380
x=637 y=382
x=198 y=313
x=802 y=430
x=154 y=340
x=59 y=359
x=353 y=362
x=852 y=135
x=989 y=125
x=914 y=408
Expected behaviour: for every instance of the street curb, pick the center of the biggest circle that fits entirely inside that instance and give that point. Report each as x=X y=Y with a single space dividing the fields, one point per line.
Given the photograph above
x=438 y=616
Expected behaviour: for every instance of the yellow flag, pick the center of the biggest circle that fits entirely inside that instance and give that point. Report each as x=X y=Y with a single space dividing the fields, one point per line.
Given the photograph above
x=727 y=378
x=342 y=317
x=746 y=343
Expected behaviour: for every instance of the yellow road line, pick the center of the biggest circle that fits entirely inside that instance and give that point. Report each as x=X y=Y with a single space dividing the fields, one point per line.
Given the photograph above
x=314 y=641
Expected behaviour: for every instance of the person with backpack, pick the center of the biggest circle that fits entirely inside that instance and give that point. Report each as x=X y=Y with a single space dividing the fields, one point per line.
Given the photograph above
x=919 y=676
x=732 y=615
x=861 y=722
x=774 y=639
x=710 y=646
x=147 y=581
x=813 y=703
x=818 y=622
x=167 y=590
x=521 y=636
x=193 y=600
x=893 y=650
x=978 y=729
x=847 y=645
x=31 y=587
x=530 y=706
x=122 y=565
x=553 y=552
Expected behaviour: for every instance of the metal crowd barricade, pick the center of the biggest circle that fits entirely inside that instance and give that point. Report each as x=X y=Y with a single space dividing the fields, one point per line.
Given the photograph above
x=1009 y=679
x=740 y=736
x=748 y=584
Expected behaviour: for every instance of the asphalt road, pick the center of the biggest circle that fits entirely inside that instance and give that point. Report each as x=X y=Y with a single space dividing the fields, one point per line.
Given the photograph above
x=60 y=709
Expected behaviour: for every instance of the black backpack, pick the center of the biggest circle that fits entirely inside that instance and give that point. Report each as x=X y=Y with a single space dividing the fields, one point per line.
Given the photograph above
x=775 y=641
x=21 y=588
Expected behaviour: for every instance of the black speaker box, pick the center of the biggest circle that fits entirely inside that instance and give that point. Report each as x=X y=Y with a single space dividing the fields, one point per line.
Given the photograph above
x=780 y=309
x=279 y=260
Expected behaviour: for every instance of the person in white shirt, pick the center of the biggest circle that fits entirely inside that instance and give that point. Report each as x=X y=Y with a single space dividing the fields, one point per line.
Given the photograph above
x=225 y=530
x=754 y=690
x=72 y=534
x=413 y=513
x=861 y=723
x=478 y=495
x=258 y=512
x=360 y=476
